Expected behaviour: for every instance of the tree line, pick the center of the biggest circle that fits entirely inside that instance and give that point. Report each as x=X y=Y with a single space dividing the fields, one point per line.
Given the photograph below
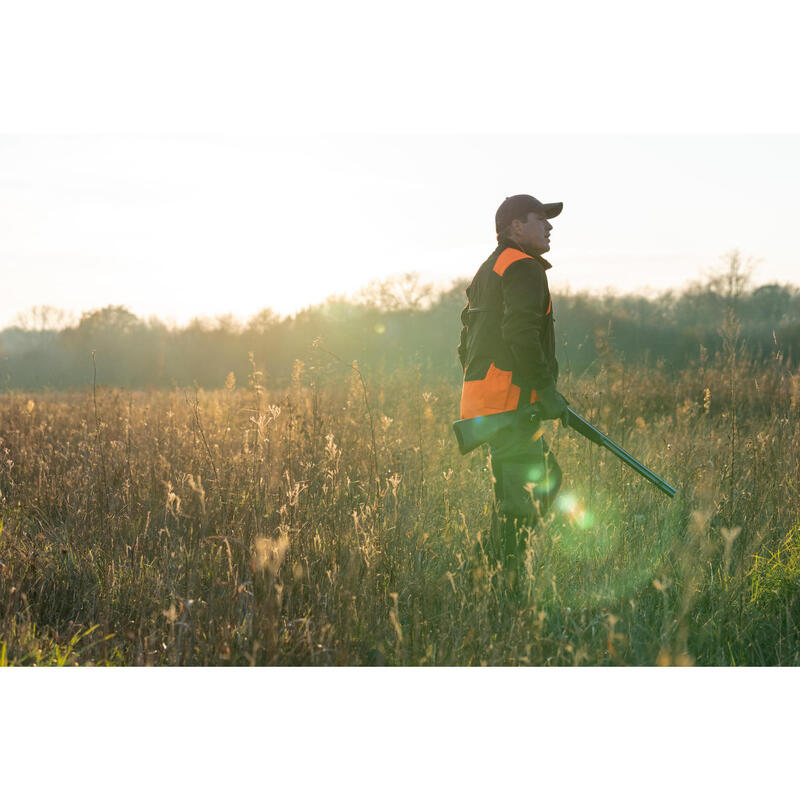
x=391 y=325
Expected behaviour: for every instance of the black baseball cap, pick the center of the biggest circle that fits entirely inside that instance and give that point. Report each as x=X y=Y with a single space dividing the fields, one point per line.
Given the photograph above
x=518 y=206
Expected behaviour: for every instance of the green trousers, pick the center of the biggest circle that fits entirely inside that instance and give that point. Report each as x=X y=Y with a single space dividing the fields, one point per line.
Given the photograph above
x=526 y=481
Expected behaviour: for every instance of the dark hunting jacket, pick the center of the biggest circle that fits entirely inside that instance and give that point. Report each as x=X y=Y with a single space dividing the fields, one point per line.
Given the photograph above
x=507 y=346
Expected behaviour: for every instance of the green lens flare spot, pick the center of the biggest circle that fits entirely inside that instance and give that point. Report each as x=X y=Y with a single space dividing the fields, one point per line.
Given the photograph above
x=535 y=474
x=585 y=520
x=567 y=503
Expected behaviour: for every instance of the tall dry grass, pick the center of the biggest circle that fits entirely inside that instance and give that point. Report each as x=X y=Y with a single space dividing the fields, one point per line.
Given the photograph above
x=333 y=522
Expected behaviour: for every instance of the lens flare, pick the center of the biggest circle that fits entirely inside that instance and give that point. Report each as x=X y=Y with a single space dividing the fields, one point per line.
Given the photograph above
x=567 y=503
x=571 y=506
x=585 y=519
x=535 y=474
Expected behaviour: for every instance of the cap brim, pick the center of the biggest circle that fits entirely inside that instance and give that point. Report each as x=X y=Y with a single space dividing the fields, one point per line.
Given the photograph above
x=552 y=209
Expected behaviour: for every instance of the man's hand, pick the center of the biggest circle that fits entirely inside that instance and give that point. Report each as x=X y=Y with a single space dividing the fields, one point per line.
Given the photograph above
x=551 y=404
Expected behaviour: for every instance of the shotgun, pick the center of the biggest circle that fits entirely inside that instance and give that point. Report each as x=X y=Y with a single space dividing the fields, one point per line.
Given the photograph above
x=471 y=433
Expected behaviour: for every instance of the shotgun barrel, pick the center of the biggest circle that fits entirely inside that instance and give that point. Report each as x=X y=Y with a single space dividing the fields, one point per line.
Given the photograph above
x=470 y=433
x=579 y=424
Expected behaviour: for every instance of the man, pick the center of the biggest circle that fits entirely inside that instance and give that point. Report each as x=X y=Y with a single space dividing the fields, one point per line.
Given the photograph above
x=507 y=350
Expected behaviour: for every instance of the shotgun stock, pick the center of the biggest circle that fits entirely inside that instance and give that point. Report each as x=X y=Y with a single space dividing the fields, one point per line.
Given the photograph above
x=470 y=433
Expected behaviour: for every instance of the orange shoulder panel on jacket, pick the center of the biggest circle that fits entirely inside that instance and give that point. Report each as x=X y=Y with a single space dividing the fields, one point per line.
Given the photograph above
x=507 y=258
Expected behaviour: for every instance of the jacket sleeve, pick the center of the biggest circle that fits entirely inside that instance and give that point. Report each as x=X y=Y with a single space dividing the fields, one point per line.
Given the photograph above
x=524 y=318
x=462 y=341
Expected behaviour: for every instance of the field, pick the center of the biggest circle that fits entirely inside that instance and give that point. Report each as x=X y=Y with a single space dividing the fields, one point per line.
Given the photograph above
x=333 y=522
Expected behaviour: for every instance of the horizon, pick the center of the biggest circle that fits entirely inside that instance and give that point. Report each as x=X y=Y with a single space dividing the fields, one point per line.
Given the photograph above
x=203 y=226
x=54 y=318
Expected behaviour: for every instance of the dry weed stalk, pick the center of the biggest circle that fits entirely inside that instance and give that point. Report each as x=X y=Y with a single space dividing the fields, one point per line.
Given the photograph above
x=305 y=552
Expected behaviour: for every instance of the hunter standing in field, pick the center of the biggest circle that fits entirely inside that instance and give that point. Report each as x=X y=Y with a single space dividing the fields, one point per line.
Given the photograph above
x=507 y=350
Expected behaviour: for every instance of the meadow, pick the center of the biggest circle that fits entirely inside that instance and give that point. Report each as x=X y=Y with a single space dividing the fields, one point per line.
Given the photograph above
x=332 y=521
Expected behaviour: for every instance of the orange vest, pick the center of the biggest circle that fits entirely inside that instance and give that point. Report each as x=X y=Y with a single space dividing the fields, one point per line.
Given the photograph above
x=507 y=345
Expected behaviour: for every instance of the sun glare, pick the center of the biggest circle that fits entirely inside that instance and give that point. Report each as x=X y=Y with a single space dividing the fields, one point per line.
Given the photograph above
x=569 y=504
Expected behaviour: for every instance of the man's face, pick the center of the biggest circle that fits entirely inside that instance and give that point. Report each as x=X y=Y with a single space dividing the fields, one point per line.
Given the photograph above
x=533 y=233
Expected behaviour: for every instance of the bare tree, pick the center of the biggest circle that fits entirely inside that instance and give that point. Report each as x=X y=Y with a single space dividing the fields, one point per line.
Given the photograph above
x=44 y=318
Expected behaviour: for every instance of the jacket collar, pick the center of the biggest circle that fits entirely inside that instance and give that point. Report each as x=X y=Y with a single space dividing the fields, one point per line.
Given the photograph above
x=505 y=242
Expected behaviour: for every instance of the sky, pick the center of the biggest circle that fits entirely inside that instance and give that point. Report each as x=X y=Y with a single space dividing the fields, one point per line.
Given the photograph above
x=180 y=226
x=189 y=159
